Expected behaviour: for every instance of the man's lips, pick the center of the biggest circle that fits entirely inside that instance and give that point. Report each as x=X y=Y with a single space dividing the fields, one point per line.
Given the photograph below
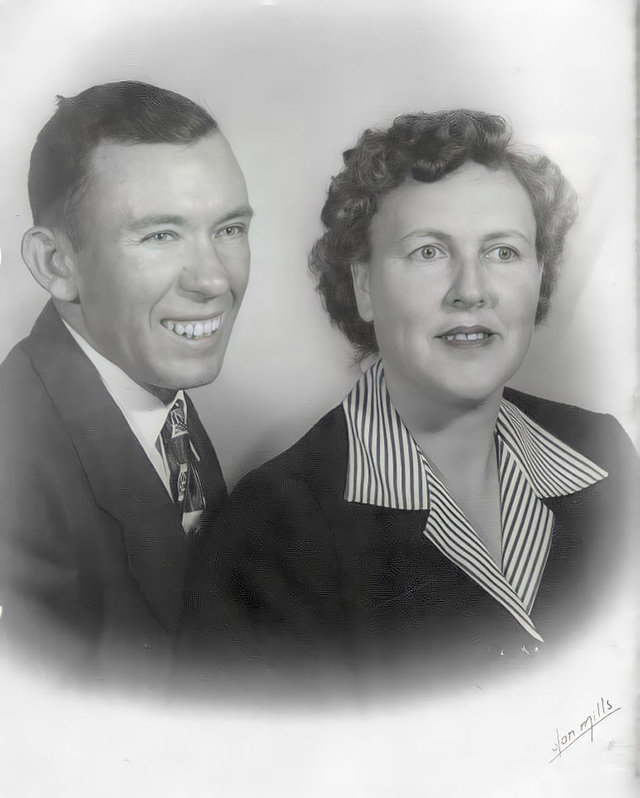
x=463 y=334
x=193 y=328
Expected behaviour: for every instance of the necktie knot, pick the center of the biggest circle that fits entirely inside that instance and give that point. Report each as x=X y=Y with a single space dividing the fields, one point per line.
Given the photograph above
x=177 y=420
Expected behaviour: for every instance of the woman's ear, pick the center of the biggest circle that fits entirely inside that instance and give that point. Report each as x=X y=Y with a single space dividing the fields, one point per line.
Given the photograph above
x=361 y=286
x=47 y=254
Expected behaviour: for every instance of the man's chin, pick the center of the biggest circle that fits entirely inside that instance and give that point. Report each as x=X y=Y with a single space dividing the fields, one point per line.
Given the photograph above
x=166 y=386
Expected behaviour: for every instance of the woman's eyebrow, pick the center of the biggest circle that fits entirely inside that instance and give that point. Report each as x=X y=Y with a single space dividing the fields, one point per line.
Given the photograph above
x=427 y=233
x=507 y=234
x=448 y=238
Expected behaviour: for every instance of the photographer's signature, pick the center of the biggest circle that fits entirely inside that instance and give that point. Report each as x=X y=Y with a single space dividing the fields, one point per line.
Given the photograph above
x=586 y=726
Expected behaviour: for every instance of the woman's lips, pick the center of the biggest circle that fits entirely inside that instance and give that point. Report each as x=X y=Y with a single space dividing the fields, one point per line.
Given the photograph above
x=467 y=335
x=480 y=336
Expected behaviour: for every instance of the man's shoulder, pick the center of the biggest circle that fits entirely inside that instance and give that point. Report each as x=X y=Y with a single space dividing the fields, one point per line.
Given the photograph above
x=47 y=342
x=20 y=384
x=16 y=365
x=50 y=397
x=47 y=353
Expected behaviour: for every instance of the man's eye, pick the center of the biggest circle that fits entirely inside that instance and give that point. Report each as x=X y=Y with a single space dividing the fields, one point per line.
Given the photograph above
x=232 y=231
x=160 y=238
x=503 y=254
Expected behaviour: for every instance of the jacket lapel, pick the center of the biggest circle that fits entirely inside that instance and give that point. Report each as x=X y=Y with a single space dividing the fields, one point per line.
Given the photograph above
x=123 y=480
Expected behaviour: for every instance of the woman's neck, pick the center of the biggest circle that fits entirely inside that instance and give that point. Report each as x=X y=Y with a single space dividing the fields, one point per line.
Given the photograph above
x=458 y=441
x=456 y=437
x=452 y=435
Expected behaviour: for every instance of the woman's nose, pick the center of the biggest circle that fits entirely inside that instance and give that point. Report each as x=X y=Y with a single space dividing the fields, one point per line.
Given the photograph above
x=468 y=286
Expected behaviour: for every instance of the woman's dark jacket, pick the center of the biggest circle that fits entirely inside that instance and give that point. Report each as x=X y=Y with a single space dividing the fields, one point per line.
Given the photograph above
x=292 y=578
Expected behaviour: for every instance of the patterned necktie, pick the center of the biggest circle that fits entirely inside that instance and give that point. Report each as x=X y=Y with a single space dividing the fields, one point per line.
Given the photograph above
x=184 y=480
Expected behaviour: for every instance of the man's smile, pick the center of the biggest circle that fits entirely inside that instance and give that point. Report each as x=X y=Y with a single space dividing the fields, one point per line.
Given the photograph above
x=198 y=328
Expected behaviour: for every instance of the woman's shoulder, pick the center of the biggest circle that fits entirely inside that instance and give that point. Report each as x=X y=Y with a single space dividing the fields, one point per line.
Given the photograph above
x=319 y=456
x=599 y=436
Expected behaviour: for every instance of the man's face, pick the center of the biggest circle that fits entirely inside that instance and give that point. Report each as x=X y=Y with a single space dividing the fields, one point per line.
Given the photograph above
x=164 y=259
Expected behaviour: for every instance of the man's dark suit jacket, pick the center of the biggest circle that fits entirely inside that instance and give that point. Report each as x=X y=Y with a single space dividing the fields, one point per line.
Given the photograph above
x=306 y=581
x=92 y=550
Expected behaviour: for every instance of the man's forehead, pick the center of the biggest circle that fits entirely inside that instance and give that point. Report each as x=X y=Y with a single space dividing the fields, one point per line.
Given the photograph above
x=108 y=154
x=138 y=184
x=129 y=173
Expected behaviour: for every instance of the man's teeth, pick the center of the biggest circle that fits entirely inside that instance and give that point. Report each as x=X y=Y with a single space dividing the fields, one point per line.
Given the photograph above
x=193 y=329
x=466 y=336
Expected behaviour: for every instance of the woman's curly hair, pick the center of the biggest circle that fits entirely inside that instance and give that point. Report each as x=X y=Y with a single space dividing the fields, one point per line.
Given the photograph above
x=426 y=147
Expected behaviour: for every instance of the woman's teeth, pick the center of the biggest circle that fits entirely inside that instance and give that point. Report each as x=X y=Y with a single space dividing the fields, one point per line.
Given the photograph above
x=466 y=336
x=193 y=329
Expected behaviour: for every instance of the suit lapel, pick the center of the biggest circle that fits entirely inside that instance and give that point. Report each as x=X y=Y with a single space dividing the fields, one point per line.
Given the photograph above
x=123 y=480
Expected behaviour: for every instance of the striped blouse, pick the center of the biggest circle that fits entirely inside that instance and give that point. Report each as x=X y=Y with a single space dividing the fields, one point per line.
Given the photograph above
x=387 y=468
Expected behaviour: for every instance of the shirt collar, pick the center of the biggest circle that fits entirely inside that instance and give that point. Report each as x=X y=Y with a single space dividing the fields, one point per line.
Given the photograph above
x=386 y=467
x=144 y=412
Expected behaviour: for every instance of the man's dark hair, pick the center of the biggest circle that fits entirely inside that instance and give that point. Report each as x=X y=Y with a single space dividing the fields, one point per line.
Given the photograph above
x=426 y=147
x=126 y=112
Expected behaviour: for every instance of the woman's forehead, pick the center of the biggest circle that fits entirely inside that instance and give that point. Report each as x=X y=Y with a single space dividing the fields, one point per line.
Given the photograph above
x=471 y=198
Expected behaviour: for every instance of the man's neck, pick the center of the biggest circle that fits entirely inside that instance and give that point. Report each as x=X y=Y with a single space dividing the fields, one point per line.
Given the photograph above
x=109 y=371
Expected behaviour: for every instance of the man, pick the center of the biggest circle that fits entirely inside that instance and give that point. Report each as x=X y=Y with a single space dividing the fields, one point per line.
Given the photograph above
x=140 y=230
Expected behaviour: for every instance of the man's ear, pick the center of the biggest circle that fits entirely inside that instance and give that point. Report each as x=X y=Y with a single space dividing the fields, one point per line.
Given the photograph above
x=48 y=256
x=361 y=285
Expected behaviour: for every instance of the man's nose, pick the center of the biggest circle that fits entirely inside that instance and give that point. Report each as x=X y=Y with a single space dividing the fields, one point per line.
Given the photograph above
x=205 y=272
x=469 y=286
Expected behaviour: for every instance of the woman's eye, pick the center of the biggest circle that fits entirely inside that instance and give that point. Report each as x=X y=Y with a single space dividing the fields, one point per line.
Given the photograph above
x=429 y=252
x=503 y=254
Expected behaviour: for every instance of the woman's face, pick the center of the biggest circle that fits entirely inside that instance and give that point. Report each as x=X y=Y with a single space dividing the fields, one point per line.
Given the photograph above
x=452 y=284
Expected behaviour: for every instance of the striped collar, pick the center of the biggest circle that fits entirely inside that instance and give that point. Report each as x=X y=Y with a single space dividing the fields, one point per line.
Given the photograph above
x=387 y=468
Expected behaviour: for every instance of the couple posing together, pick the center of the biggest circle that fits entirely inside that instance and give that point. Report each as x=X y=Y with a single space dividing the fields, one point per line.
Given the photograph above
x=435 y=523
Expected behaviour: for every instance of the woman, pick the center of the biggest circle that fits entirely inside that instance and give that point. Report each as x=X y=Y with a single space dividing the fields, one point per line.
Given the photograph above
x=435 y=519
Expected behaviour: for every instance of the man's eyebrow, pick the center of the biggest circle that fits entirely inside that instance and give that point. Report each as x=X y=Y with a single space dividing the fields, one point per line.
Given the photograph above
x=244 y=211
x=155 y=221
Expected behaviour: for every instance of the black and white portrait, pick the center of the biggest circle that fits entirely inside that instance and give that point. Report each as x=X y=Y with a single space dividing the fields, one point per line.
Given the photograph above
x=317 y=398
